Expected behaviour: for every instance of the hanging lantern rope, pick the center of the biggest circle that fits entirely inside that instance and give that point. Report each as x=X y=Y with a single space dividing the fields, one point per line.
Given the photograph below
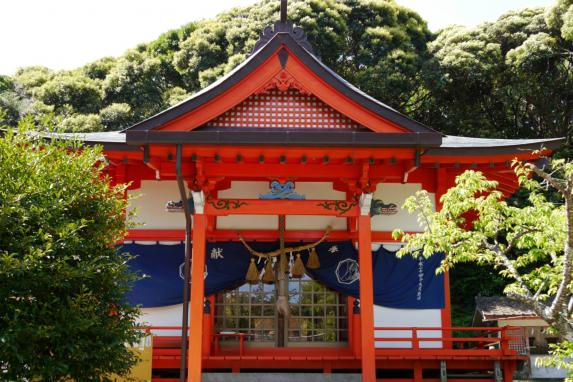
x=278 y=252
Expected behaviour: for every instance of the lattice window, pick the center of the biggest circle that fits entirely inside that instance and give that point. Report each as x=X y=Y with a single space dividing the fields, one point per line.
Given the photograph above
x=248 y=309
x=318 y=315
x=290 y=109
x=519 y=341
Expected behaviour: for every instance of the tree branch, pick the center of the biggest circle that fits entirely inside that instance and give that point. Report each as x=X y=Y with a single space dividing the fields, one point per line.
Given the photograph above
x=513 y=242
x=554 y=182
x=563 y=293
x=509 y=266
x=543 y=283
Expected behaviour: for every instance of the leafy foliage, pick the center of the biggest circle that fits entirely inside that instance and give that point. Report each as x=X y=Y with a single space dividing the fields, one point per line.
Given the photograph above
x=62 y=311
x=376 y=44
x=528 y=244
x=512 y=77
x=71 y=88
x=509 y=78
x=468 y=281
x=116 y=116
x=82 y=123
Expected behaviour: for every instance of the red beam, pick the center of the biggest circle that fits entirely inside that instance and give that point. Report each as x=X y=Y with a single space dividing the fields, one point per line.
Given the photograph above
x=224 y=207
x=263 y=235
x=268 y=170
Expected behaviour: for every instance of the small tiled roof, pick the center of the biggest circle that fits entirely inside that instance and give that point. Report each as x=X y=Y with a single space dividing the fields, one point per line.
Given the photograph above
x=497 y=307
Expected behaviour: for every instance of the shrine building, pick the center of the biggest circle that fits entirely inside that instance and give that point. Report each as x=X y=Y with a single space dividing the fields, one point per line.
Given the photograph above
x=266 y=204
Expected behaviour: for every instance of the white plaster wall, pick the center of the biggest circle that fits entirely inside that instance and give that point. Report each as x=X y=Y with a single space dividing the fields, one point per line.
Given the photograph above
x=383 y=317
x=391 y=317
x=163 y=316
x=545 y=372
x=247 y=222
x=149 y=204
x=301 y=222
x=252 y=190
x=245 y=190
x=397 y=194
x=405 y=318
x=319 y=190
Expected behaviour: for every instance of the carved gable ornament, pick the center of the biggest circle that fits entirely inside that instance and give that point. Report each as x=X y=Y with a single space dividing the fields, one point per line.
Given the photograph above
x=283 y=81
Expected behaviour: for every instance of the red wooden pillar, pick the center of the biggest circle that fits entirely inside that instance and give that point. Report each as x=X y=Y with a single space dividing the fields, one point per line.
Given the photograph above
x=366 y=291
x=442 y=186
x=418 y=372
x=508 y=370
x=208 y=326
x=197 y=292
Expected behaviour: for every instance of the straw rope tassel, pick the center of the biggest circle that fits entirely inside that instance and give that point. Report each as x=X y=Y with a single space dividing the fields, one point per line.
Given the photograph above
x=269 y=276
x=313 y=262
x=298 y=270
x=252 y=273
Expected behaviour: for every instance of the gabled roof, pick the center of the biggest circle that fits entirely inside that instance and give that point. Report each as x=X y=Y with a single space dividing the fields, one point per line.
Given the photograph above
x=282 y=49
x=498 y=307
x=451 y=145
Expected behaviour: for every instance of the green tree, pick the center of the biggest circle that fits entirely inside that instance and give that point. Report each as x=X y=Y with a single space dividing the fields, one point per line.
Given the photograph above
x=82 y=123
x=174 y=95
x=115 y=116
x=32 y=77
x=16 y=103
x=512 y=77
x=62 y=309
x=82 y=93
x=138 y=81
x=9 y=102
x=377 y=45
x=98 y=70
x=531 y=245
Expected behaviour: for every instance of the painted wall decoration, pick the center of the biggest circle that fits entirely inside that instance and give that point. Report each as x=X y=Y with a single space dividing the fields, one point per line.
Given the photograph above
x=174 y=206
x=406 y=283
x=177 y=205
x=282 y=191
x=149 y=204
x=378 y=207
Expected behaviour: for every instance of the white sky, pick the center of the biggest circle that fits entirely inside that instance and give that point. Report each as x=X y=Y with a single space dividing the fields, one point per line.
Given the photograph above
x=64 y=34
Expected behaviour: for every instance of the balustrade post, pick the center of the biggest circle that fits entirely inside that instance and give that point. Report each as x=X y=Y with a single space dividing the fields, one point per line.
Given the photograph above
x=415 y=342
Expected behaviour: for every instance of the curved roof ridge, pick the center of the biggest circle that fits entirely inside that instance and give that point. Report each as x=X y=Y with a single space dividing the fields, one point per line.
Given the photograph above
x=269 y=32
x=453 y=141
x=284 y=34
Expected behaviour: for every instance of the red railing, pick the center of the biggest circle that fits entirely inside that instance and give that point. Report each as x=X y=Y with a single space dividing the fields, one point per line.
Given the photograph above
x=507 y=340
x=510 y=340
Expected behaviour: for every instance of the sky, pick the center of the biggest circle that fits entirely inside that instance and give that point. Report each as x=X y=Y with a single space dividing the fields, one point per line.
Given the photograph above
x=65 y=34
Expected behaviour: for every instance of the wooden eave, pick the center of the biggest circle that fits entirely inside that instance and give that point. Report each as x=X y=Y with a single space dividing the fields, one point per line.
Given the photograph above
x=317 y=138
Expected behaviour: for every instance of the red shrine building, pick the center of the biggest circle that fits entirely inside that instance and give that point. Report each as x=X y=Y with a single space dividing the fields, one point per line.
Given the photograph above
x=289 y=182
